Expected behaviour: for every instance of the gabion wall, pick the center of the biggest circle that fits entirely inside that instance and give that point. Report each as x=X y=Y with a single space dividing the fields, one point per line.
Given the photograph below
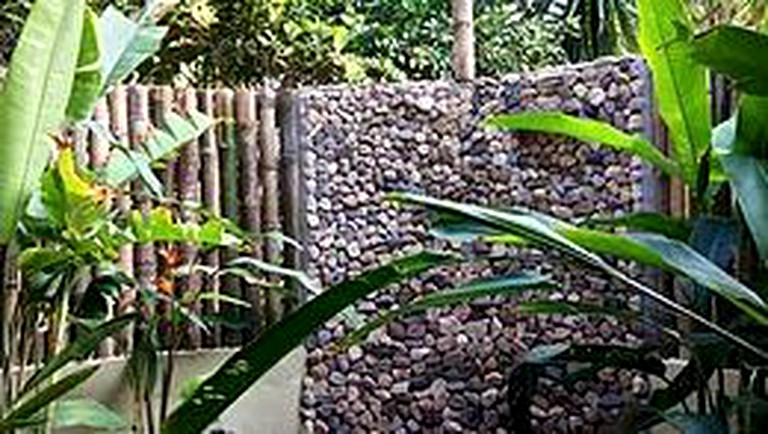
x=447 y=370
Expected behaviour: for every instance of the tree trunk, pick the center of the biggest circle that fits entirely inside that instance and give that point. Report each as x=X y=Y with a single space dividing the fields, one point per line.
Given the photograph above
x=463 y=41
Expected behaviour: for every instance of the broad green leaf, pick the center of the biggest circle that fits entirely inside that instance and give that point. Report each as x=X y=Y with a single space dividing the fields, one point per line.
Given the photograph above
x=748 y=176
x=79 y=349
x=587 y=130
x=87 y=84
x=175 y=131
x=250 y=363
x=689 y=263
x=124 y=164
x=739 y=53
x=86 y=413
x=680 y=83
x=34 y=101
x=509 y=285
x=45 y=396
x=547 y=232
x=127 y=45
x=671 y=227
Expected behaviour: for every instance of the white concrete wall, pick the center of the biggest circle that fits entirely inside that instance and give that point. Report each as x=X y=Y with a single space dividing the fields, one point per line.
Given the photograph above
x=269 y=407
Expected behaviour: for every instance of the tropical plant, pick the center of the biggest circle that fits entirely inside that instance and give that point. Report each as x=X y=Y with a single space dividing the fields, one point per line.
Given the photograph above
x=704 y=160
x=66 y=58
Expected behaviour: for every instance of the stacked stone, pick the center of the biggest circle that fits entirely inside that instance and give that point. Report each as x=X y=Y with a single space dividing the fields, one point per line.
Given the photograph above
x=447 y=370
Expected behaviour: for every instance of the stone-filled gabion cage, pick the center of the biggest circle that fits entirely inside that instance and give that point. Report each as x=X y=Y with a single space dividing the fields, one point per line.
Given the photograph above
x=448 y=370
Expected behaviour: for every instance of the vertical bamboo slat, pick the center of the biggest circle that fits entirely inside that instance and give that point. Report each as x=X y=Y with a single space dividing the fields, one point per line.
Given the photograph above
x=139 y=127
x=211 y=191
x=250 y=194
x=161 y=103
x=270 y=161
x=226 y=132
x=188 y=181
x=291 y=184
x=118 y=120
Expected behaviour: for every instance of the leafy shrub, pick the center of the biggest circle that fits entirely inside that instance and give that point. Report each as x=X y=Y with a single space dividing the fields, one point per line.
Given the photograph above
x=509 y=40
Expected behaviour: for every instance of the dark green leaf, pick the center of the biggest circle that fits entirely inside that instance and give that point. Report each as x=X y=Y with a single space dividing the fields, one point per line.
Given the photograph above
x=77 y=350
x=45 y=396
x=482 y=288
x=547 y=232
x=586 y=130
x=246 y=366
x=671 y=227
x=736 y=52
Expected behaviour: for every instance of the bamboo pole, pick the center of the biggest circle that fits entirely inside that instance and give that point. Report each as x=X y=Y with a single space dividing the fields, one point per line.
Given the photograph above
x=118 y=119
x=139 y=128
x=98 y=154
x=270 y=161
x=291 y=183
x=211 y=191
x=463 y=56
x=188 y=182
x=161 y=103
x=226 y=134
x=251 y=192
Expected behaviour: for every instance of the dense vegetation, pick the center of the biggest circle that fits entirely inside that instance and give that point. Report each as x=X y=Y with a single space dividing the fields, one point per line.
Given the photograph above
x=57 y=215
x=344 y=40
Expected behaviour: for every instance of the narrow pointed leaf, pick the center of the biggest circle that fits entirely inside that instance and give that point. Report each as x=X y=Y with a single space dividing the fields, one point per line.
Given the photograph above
x=657 y=223
x=586 y=130
x=46 y=396
x=509 y=285
x=249 y=364
x=548 y=232
x=80 y=348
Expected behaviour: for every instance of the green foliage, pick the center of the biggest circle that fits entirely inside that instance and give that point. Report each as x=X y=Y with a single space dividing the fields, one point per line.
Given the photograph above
x=680 y=83
x=88 y=76
x=245 y=367
x=590 y=247
x=86 y=413
x=510 y=39
x=294 y=40
x=587 y=130
x=34 y=100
